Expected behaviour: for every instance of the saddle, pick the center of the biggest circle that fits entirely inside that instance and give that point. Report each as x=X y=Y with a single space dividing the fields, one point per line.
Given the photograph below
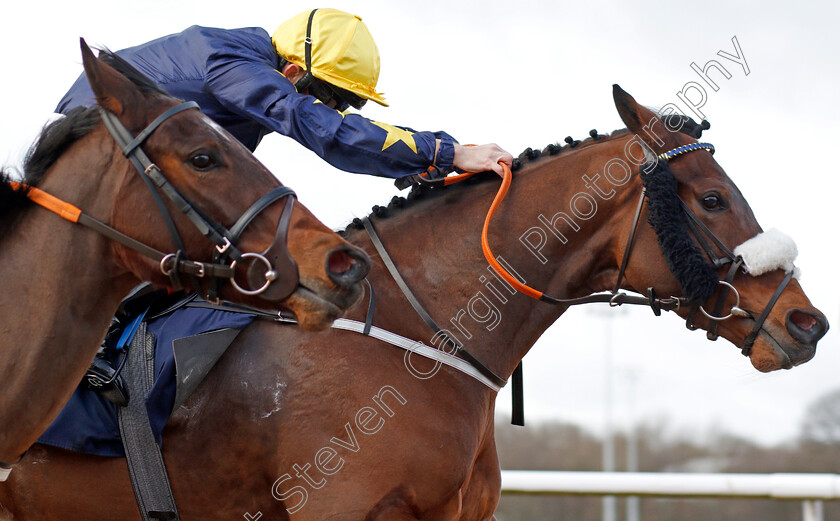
x=134 y=372
x=187 y=341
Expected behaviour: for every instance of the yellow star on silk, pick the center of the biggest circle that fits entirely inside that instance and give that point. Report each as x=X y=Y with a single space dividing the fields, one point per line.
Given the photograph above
x=396 y=134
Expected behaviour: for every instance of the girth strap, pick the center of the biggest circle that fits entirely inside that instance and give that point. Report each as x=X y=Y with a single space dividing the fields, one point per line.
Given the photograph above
x=517 y=410
x=145 y=461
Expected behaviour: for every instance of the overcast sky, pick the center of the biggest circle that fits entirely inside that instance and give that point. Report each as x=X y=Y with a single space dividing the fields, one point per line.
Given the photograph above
x=528 y=73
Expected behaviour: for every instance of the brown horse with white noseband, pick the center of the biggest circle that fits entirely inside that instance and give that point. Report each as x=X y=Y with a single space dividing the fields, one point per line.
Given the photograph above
x=62 y=282
x=343 y=426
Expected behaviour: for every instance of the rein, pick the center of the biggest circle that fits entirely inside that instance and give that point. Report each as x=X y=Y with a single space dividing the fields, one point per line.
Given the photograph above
x=226 y=254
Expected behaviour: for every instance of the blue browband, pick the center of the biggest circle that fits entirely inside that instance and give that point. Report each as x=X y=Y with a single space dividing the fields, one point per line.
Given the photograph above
x=671 y=154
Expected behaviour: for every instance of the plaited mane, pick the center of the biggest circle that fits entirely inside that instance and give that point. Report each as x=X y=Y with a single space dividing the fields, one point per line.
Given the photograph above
x=696 y=276
x=418 y=192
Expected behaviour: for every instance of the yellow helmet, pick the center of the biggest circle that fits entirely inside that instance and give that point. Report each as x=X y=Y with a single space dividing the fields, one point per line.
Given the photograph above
x=340 y=50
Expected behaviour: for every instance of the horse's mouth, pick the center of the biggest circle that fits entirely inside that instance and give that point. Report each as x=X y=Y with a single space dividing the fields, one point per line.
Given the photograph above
x=317 y=310
x=780 y=354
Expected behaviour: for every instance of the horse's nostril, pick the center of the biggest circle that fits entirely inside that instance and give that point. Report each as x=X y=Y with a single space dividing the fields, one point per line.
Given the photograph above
x=340 y=262
x=805 y=326
x=803 y=321
x=347 y=266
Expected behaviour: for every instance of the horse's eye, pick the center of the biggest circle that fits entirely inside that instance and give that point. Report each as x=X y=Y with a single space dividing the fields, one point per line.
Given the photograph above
x=202 y=161
x=712 y=201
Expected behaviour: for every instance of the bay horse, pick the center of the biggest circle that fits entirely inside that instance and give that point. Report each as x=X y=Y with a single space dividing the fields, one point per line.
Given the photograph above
x=62 y=282
x=341 y=426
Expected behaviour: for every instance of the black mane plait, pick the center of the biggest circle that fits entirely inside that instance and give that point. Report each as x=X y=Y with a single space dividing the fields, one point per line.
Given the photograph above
x=422 y=192
x=688 y=126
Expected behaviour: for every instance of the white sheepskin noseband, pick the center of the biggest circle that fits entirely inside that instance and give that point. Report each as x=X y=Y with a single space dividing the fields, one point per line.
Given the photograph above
x=768 y=251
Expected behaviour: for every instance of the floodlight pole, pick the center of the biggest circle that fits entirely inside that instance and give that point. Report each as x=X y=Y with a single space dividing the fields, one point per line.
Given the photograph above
x=608 y=512
x=633 y=510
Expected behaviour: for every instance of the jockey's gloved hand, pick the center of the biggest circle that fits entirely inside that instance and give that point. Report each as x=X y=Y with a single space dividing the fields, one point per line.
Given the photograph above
x=481 y=158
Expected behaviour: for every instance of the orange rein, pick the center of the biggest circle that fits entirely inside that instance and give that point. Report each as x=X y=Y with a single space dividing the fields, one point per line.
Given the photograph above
x=50 y=202
x=507 y=177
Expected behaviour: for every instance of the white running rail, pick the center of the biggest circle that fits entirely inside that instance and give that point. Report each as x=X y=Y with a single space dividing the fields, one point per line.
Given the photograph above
x=809 y=488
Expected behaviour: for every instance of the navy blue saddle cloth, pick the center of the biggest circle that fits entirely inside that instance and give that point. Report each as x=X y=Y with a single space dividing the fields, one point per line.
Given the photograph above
x=88 y=423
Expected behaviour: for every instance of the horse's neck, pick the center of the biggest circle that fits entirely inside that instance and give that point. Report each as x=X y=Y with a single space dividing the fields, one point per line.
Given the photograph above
x=59 y=278
x=60 y=286
x=436 y=247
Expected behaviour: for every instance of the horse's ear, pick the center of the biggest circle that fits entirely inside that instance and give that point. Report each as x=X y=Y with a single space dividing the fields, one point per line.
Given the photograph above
x=628 y=109
x=113 y=90
x=637 y=117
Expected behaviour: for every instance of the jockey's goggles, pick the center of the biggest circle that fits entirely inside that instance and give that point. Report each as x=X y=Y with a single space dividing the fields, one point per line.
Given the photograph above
x=343 y=99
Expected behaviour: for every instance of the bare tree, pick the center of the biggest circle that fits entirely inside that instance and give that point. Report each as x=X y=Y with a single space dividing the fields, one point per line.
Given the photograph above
x=822 y=420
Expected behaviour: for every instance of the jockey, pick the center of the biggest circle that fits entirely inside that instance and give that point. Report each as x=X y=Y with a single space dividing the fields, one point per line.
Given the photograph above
x=299 y=83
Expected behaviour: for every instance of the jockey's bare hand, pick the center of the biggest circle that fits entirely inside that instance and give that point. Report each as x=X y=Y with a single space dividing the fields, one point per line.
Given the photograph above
x=481 y=158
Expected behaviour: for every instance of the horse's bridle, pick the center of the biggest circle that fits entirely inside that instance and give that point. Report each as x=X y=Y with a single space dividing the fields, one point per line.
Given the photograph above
x=702 y=234
x=699 y=230
x=283 y=274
